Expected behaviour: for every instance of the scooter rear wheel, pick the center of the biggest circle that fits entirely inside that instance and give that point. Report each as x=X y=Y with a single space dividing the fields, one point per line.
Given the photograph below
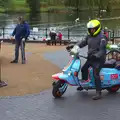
x=113 y=89
x=56 y=89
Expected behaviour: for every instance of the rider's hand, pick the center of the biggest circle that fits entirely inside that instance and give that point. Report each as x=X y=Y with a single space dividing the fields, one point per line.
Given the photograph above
x=75 y=50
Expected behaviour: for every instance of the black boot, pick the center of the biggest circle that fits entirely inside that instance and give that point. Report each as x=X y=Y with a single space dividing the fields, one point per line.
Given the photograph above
x=14 y=61
x=97 y=96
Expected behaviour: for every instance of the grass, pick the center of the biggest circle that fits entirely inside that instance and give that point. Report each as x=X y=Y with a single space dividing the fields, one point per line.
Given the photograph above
x=21 y=6
x=2 y=10
x=16 y=6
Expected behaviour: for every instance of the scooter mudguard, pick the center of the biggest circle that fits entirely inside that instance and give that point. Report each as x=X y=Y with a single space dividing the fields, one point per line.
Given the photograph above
x=110 y=77
x=68 y=78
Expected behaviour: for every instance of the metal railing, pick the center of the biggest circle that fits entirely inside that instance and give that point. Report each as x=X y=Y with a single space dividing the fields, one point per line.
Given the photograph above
x=68 y=34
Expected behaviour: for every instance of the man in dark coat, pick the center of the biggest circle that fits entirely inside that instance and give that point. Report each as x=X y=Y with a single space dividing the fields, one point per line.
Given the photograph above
x=21 y=33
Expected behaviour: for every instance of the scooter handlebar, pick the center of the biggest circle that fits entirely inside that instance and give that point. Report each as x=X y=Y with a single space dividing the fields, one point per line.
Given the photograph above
x=69 y=47
x=83 y=56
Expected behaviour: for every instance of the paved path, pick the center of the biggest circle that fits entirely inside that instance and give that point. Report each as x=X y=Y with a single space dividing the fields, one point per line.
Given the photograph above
x=73 y=105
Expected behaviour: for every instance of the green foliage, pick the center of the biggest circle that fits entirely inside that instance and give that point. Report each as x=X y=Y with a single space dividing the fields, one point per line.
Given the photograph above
x=3 y=3
x=37 y=5
x=93 y=4
x=13 y=6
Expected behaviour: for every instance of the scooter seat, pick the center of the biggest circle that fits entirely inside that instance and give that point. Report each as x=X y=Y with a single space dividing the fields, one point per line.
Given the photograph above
x=110 y=64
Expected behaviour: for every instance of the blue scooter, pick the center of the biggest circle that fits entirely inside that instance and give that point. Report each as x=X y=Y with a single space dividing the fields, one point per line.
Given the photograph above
x=109 y=75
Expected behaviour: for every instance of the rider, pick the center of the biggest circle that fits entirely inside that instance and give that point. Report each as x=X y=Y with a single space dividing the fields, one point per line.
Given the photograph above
x=96 y=42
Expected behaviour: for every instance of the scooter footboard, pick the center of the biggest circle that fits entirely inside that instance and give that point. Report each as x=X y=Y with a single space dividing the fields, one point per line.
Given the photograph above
x=110 y=76
x=65 y=77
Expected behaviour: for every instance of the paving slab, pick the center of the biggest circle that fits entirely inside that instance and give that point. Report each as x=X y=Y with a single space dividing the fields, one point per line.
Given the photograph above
x=74 y=105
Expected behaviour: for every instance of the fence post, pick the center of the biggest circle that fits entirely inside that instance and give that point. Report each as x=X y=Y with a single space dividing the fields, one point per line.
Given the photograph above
x=46 y=33
x=113 y=37
x=3 y=33
x=68 y=33
x=109 y=34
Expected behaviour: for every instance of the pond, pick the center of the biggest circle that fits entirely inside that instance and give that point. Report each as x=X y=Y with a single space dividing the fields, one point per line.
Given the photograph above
x=62 y=21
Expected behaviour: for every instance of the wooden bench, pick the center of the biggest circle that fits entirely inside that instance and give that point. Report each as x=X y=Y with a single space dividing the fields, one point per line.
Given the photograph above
x=64 y=42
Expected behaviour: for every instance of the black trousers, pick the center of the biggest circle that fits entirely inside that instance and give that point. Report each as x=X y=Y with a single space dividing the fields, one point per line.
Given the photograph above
x=60 y=42
x=96 y=65
x=54 y=42
x=19 y=44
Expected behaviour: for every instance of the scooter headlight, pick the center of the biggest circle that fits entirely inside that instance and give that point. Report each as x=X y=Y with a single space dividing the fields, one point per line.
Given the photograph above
x=101 y=77
x=69 y=73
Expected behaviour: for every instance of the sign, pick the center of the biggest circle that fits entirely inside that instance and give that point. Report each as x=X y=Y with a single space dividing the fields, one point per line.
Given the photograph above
x=35 y=29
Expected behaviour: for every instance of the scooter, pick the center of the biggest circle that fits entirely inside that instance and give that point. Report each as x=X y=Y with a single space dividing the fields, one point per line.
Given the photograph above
x=109 y=76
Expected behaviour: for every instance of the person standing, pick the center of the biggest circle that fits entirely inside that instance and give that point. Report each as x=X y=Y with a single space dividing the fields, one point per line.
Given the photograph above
x=60 y=37
x=53 y=36
x=21 y=33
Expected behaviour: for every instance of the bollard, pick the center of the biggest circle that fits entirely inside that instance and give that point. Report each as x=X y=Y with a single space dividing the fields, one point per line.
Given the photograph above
x=46 y=33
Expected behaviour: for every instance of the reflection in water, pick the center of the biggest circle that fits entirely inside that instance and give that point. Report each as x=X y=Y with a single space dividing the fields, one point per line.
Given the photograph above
x=34 y=18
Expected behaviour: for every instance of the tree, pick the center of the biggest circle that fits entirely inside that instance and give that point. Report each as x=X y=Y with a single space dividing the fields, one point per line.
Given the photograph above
x=34 y=5
x=3 y=3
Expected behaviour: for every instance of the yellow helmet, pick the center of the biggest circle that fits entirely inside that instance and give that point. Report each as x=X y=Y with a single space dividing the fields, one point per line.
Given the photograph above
x=94 y=24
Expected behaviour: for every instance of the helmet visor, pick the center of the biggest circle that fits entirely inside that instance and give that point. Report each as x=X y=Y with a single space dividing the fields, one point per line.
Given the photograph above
x=93 y=30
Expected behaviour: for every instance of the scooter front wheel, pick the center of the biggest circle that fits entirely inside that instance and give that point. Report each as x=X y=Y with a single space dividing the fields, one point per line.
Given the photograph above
x=113 y=89
x=59 y=89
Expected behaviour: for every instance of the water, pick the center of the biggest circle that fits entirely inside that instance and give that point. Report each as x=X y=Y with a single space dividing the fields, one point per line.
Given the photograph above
x=61 y=21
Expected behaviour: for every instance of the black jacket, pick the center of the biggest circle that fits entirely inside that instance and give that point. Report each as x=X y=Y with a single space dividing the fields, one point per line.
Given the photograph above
x=53 y=35
x=96 y=46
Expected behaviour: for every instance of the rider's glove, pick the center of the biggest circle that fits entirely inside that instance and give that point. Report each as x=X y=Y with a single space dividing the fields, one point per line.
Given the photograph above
x=75 y=50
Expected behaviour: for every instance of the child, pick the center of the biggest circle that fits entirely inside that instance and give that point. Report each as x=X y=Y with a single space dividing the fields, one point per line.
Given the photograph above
x=59 y=36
